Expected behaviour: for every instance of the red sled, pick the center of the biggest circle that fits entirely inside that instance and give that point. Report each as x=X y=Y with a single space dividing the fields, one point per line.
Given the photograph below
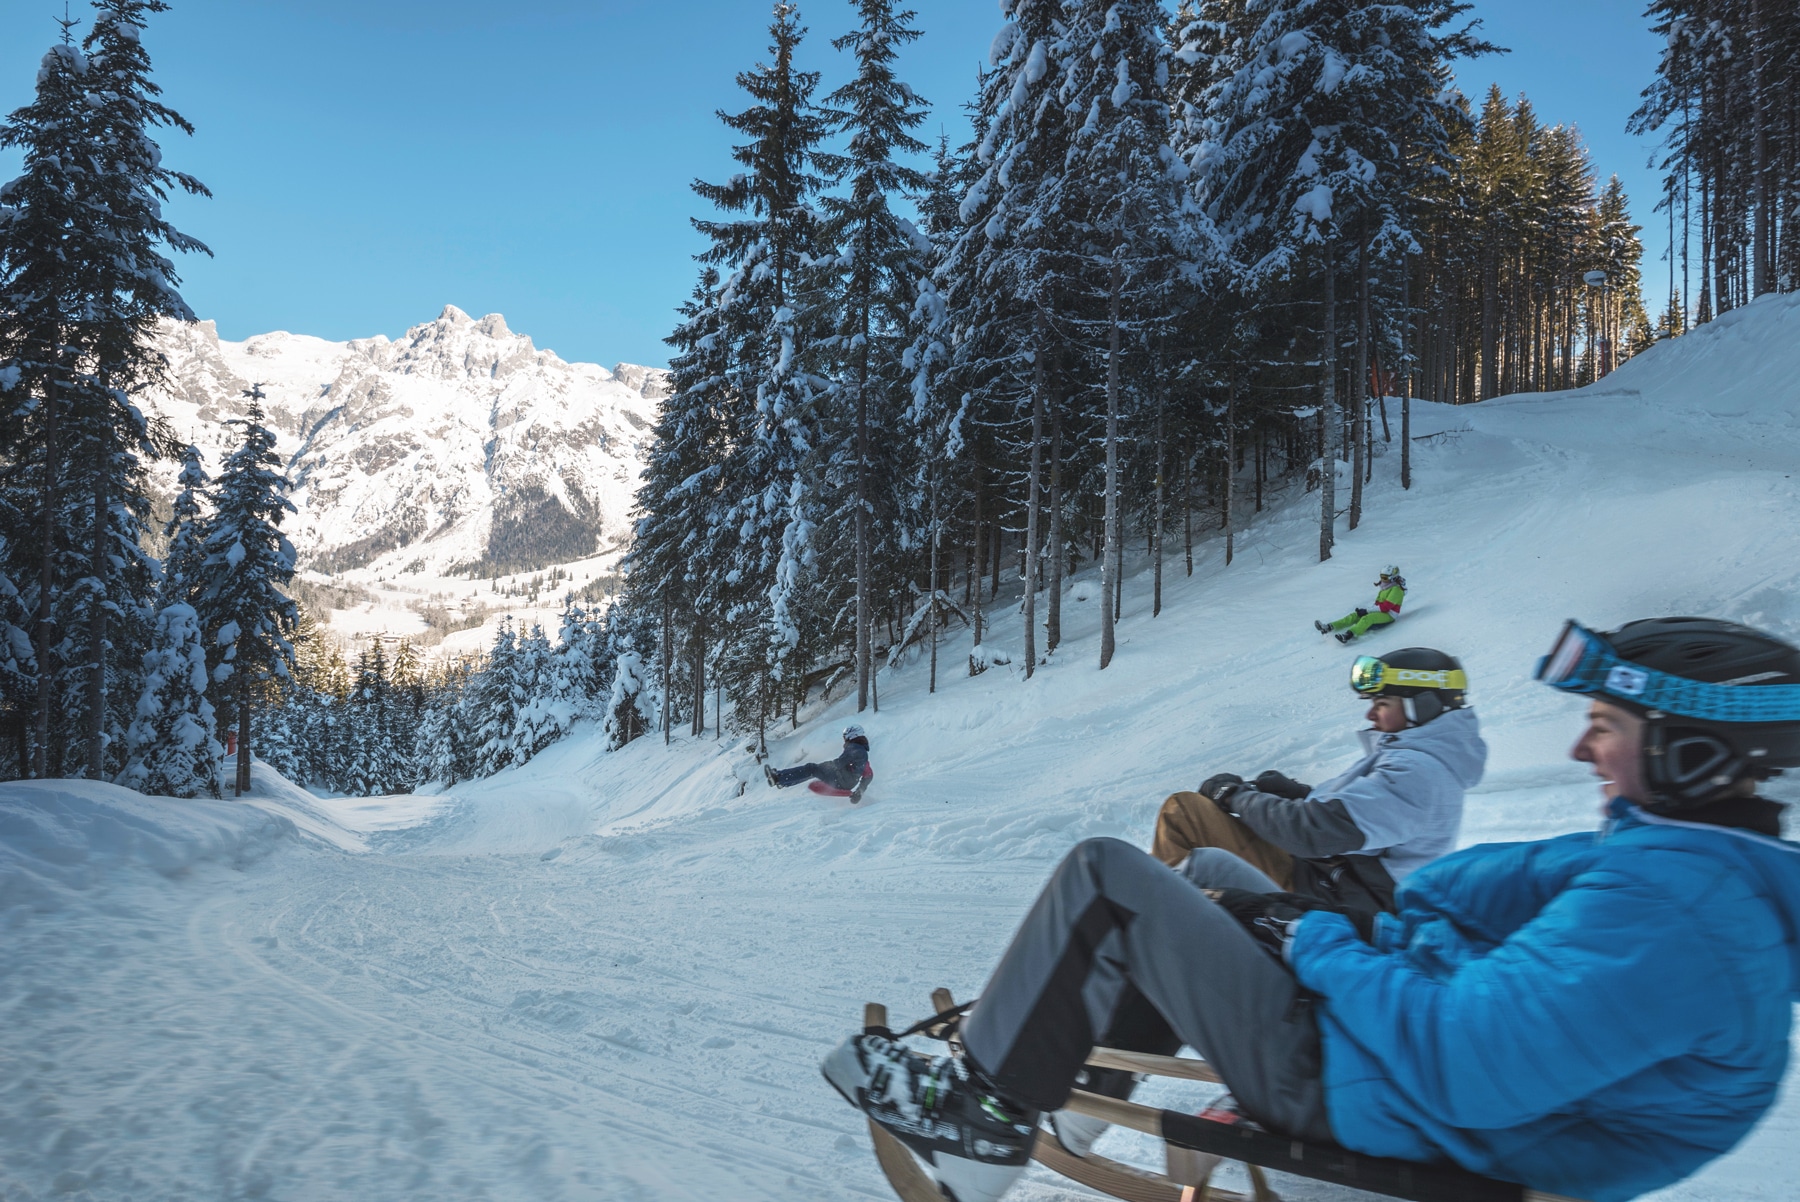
x=825 y=790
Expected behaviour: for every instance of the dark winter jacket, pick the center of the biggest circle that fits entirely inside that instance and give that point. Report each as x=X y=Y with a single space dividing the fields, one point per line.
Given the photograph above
x=1597 y=1015
x=851 y=760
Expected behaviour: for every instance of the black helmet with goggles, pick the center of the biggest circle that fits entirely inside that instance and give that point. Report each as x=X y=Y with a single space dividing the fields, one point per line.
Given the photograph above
x=1426 y=680
x=1720 y=701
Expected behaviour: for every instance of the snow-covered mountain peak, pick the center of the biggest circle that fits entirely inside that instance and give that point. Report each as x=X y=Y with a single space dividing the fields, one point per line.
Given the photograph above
x=459 y=446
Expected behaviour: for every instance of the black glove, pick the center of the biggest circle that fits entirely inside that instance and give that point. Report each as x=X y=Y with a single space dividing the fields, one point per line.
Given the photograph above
x=1271 y=917
x=1221 y=786
x=1361 y=612
x=1281 y=786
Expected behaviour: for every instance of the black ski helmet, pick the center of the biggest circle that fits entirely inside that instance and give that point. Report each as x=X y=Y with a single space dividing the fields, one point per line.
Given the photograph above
x=1688 y=759
x=1426 y=680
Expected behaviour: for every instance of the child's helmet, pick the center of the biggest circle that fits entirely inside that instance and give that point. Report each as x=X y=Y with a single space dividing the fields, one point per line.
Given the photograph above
x=853 y=731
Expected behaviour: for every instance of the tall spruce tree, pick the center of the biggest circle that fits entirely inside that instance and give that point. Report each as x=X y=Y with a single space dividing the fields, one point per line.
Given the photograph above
x=765 y=554
x=869 y=292
x=247 y=561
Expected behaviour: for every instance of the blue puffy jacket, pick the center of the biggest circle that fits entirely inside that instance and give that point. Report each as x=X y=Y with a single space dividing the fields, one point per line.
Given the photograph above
x=1597 y=1015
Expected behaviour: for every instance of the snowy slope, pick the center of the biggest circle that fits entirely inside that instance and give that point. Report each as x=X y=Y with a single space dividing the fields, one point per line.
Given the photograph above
x=414 y=460
x=612 y=976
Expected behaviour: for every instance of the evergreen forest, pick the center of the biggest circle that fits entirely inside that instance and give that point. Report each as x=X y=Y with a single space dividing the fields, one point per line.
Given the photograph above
x=1192 y=260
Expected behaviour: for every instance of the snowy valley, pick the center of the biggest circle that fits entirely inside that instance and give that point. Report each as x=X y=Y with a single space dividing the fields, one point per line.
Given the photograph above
x=437 y=475
x=612 y=976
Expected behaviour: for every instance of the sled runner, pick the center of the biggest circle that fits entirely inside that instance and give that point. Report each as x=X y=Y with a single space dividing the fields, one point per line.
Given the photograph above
x=1193 y=1144
x=855 y=795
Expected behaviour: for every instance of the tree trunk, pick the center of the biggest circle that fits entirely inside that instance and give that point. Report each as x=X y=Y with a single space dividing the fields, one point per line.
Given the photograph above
x=1058 y=553
x=1187 y=506
x=1039 y=377
x=1156 y=532
x=978 y=560
x=936 y=538
x=46 y=622
x=1406 y=368
x=243 y=716
x=1230 y=462
x=864 y=637
x=1108 y=557
x=1328 y=424
x=1359 y=384
x=667 y=653
x=96 y=672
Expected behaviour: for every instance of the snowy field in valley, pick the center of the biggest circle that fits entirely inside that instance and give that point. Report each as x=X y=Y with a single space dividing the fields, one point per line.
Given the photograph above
x=613 y=976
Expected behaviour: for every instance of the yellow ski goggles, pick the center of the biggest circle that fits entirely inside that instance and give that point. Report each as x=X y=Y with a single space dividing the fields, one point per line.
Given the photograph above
x=1371 y=677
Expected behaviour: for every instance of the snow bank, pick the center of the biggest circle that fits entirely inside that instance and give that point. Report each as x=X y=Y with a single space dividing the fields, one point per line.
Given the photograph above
x=58 y=837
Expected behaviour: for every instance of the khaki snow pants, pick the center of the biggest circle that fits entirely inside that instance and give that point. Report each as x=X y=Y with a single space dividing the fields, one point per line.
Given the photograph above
x=1190 y=820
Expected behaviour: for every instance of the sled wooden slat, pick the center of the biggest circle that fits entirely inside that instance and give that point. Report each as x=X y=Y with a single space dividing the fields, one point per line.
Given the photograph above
x=1322 y=1162
x=908 y=1177
x=1183 y=1067
x=1120 y=1180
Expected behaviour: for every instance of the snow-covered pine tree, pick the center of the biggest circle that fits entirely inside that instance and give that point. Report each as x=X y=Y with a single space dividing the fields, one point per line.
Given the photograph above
x=768 y=481
x=247 y=559
x=1125 y=183
x=491 y=703
x=1013 y=283
x=872 y=281
x=18 y=675
x=1302 y=144
x=683 y=544
x=128 y=285
x=934 y=415
x=45 y=235
x=171 y=750
x=544 y=716
x=182 y=562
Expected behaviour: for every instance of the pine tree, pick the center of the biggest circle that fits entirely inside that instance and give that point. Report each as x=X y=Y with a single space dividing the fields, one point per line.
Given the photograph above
x=763 y=530
x=1125 y=183
x=45 y=237
x=491 y=705
x=872 y=286
x=170 y=748
x=182 y=571
x=247 y=560
x=83 y=282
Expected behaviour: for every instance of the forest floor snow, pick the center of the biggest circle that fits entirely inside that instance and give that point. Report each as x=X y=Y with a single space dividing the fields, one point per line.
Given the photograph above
x=613 y=976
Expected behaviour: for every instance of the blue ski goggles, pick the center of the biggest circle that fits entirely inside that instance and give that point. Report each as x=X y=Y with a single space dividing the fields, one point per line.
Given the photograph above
x=1584 y=662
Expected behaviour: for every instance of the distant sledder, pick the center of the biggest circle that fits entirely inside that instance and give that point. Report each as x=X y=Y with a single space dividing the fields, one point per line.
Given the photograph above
x=847 y=776
x=1390 y=595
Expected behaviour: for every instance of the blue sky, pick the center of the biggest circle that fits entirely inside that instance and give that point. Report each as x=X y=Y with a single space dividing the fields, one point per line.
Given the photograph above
x=373 y=160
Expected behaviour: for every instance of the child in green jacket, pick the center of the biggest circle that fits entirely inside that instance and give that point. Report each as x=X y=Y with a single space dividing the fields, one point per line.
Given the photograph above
x=1391 y=591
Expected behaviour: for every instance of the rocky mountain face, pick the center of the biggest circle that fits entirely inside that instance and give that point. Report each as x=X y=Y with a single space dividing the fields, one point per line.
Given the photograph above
x=457 y=448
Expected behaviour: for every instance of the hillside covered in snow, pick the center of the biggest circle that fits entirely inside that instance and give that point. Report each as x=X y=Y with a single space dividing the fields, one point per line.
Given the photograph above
x=455 y=452
x=612 y=976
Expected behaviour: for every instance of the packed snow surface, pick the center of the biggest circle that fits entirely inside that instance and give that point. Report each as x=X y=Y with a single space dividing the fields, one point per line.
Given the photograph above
x=613 y=976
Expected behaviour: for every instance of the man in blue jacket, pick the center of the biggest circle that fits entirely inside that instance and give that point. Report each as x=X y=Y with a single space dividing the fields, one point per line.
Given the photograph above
x=1595 y=1016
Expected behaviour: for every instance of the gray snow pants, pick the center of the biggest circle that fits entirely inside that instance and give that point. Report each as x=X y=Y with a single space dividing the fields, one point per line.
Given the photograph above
x=1121 y=951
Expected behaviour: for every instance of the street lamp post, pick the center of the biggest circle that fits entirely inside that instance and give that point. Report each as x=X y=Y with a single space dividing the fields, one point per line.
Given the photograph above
x=1596 y=280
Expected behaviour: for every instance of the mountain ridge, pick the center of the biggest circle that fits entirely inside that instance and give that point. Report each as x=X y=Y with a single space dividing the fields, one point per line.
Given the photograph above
x=458 y=448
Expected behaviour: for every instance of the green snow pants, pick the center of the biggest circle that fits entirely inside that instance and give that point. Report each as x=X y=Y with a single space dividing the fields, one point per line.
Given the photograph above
x=1360 y=622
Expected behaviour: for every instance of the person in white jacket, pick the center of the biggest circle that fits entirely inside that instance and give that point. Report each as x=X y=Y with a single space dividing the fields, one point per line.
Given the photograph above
x=1352 y=839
